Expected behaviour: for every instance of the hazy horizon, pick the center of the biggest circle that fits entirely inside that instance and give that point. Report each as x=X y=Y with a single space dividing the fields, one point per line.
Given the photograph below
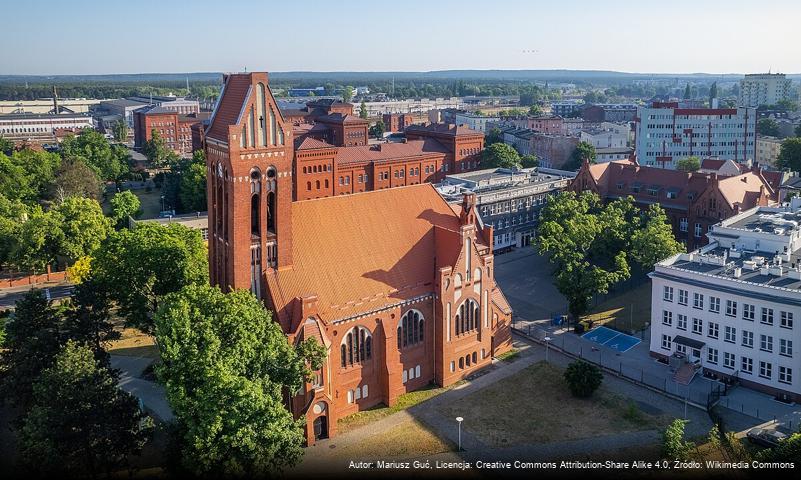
x=89 y=37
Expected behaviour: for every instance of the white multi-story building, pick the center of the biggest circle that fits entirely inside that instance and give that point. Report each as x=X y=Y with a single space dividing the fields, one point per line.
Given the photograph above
x=666 y=134
x=767 y=150
x=475 y=122
x=732 y=308
x=31 y=126
x=764 y=89
x=603 y=138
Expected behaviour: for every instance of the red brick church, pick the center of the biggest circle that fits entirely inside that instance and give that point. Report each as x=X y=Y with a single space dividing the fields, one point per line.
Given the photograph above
x=397 y=284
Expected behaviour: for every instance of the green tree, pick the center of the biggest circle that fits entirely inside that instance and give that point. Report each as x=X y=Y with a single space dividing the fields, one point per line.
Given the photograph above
x=788 y=450
x=75 y=178
x=192 y=185
x=583 y=378
x=378 y=129
x=592 y=245
x=535 y=111
x=347 y=93
x=493 y=136
x=91 y=428
x=689 y=164
x=500 y=155
x=33 y=338
x=6 y=146
x=120 y=130
x=12 y=215
x=713 y=92
x=39 y=242
x=226 y=366
x=790 y=154
x=530 y=161
x=138 y=267
x=687 y=92
x=87 y=317
x=768 y=127
x=584 y=151
x=674 y=447
x=363 y=110
x=123 y=205
x=157 y=152
x=83 y=225
x=110 y=162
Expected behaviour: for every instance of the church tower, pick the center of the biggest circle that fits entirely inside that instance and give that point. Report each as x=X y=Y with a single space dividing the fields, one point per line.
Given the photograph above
x=249 y=171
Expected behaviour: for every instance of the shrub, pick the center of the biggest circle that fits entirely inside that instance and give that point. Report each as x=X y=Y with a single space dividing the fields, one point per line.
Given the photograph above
x=674 y=447
x=583 y=378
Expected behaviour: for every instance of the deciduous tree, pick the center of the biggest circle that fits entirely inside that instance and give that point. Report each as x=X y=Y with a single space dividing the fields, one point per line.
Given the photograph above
x=123 y=205
x=674 y=447
x=80 y=422
x=689 y=164
x=226 y=366
x=583 y=378
x=790 y=154
x=138 y=267
x=500 y=155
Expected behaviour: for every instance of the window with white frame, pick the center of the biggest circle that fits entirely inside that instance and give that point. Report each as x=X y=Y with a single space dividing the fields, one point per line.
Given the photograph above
x=667 y=317
x=698 y=326
x=785 y=375
x=667 y=294
x=785 y=347
x=731 y=308
x=728 y=360
x=714 y=304
x=681 y=322
x=748 y=312
x=698 y=301
x=765 y=369
x=683 y=295
x=666 y=342
x=747 y=365
x=730 y=334
x=766 y=343
x=697 y=230
x=683 y=224
x=786 y=320
x=767 y=316
x=713 y=330
x=748 y=339
x=712 y=355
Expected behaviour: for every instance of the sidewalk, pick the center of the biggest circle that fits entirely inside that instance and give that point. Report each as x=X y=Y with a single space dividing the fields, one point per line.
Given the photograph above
x=151 y=394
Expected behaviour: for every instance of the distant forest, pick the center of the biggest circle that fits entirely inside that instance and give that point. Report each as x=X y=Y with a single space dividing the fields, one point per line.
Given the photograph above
x=532 y=85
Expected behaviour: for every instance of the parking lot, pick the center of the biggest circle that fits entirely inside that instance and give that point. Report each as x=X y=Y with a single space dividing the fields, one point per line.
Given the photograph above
x=525 y=278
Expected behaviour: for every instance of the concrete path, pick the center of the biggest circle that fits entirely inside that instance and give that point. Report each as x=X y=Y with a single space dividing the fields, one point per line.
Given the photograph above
x=58 y=290
x=151 y=394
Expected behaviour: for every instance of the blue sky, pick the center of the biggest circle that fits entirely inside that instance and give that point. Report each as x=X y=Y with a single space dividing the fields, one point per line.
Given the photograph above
x=677 y=36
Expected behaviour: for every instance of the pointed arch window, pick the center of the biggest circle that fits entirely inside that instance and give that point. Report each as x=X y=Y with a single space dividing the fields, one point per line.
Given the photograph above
x=356 y=347
x=468 y=317
x=410 y=329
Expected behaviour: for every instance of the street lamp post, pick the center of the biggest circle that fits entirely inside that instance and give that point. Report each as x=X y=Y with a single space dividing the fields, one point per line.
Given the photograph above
x=547 y=341
x=460 y=419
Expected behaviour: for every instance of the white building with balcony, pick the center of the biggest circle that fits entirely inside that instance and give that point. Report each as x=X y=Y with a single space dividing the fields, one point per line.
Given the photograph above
x=732 y=309
x=764 y=89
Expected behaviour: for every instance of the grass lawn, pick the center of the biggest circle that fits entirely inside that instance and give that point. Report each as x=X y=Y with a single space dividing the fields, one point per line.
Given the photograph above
x=617 y=312
x=405 y=401
x=134 y=343
x=409 y=438
x=535 y=406
x=509 y=356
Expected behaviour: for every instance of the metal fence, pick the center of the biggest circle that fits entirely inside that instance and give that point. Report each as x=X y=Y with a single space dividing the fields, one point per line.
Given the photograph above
x=703 y=396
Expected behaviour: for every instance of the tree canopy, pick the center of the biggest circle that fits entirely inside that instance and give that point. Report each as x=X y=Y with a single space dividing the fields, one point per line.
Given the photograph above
x=768 y=127
x=689 y=164
x=226 y=366
x=91 y=428
x=593 y=245
x=123 y=205
x=500 y=155
x=110 y=162
x=75 y=178
x=138 y=267
x=584 y=151
x=530 y=161
x=790 y=154
x=493 y=136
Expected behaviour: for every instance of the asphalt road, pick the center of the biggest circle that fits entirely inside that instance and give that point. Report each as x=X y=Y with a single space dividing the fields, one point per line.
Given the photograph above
x=9 y=296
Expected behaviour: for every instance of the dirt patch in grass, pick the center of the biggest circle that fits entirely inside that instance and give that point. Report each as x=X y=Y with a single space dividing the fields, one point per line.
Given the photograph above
x=626 y=312
x=535 y=406
x=133 y=342
x=405 y=401
x=409 y=438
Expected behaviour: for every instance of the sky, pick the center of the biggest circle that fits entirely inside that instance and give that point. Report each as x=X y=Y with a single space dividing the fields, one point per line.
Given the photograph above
x=50 y=37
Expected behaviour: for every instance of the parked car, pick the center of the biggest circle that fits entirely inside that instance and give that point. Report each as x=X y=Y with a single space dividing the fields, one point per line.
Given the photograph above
x=765 y=437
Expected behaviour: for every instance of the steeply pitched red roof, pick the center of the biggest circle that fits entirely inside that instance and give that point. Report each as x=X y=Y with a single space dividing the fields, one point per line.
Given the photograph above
x=380 y=262
x=389 y=151
x=308 y=143
x=235 y=93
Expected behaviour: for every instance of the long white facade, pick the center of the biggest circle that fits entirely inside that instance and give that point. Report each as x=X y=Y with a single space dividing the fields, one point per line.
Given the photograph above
x=666 y=134
x=733 y=308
